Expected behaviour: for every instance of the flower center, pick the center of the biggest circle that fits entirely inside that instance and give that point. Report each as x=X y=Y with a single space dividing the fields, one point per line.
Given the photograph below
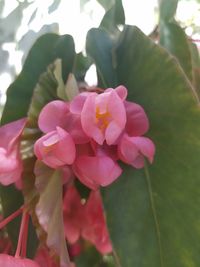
x=102 y=119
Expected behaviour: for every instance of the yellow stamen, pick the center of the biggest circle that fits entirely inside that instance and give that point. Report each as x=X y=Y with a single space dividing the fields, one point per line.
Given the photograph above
x=102 y=119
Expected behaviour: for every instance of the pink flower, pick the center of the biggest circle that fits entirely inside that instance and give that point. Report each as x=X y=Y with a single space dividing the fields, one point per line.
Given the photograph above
x=73 y=214
x=132 y=147
x=132 y=150
x=104 y=127
x=95 y=229
x=56 y=148
x=11 y=163
x=10 y=261
x=57 y=113
x=94 y=171
x=103 y=116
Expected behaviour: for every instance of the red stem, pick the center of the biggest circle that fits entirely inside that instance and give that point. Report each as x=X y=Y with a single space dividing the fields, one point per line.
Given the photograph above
x=11 y=217
x=21 y=239
x=25 y=236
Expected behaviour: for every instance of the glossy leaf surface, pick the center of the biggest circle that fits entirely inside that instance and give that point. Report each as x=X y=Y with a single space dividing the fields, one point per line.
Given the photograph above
x=153 y=213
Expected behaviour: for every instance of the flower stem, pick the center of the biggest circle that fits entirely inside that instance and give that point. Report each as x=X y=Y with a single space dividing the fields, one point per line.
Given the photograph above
x=21 y=245
x=11 y=217
x=25 y=236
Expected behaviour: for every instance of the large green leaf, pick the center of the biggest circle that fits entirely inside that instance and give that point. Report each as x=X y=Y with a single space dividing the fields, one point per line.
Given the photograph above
x=100 y=48
x=153 y=214
x=46 y=49
x=174 y=39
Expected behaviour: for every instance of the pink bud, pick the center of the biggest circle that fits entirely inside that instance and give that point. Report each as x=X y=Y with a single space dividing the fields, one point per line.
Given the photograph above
x=11 y=164
x=56 y=148
x=132 y=150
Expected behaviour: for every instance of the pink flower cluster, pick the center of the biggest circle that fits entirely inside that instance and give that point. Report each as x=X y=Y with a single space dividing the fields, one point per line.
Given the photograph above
x=91 y=133
x=86 y=138
x=85 y=220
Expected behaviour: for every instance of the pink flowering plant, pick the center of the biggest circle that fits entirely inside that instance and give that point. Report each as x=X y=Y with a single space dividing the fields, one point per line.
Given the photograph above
x=103 y=175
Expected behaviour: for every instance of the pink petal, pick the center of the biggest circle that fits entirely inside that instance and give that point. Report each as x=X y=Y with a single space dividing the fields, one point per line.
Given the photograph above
x=73 y=214
x=96 y=171
x=9 y=177
x=74 y=128
x=95 y=229
x=11 y=164
x=112 y=133
x=145 y=146
x=77 y=103
x=52 y=115
x=133 y=149
x=121 y=91
x=88 y=119
x=10 y=261
x=9 y=133
x=137 y=122
x=117 y=110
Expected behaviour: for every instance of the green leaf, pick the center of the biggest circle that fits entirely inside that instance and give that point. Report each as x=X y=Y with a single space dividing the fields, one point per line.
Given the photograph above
x=174 y=39
x=81 y=66
x=71 y=88
x=106 y=4
x=196 y=67
x=167 y=9
x=46 y=49
x=195 y=54
x=49 y=210
x=88 y=257
x=153 y=213
x=100 y=47
x=45 y=91
x=113 y=17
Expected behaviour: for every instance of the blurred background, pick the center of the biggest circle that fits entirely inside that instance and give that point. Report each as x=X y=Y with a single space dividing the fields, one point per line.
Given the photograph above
x=22 y=22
